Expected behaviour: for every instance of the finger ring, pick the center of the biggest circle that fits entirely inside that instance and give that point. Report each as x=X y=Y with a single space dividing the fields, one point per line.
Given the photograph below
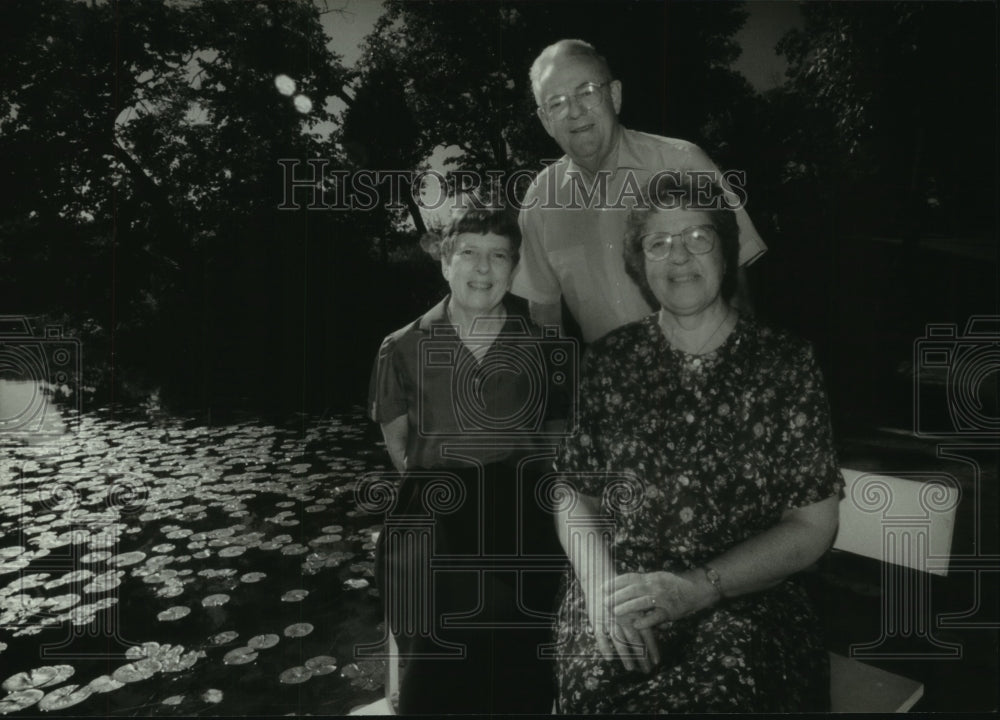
x=652 y=600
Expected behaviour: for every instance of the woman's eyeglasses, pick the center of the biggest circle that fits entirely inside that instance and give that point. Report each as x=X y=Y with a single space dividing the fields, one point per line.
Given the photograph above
x=698 y=239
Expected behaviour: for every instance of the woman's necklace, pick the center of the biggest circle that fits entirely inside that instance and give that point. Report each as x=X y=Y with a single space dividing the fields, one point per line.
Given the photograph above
x=671 y=334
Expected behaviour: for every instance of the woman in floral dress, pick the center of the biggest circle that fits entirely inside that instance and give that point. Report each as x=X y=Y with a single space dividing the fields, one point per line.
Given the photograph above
x=701 y=478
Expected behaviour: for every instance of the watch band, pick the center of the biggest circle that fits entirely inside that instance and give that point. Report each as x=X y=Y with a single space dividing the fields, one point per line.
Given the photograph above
x=713 y=577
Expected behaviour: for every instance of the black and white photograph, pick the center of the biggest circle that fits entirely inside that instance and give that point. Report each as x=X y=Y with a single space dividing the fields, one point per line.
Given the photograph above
x=441 y=357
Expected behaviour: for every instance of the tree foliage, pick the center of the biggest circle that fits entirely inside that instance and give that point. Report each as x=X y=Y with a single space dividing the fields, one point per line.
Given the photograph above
x=140 y=144
x=900 y=102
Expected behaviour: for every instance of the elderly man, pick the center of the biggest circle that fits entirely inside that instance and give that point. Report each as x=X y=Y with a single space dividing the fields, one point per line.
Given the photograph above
x=574 y=214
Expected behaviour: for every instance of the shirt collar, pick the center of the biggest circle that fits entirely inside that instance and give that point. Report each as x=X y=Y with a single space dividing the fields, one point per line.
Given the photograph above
x=437 y=315
x=626 y=157
x=629 y=156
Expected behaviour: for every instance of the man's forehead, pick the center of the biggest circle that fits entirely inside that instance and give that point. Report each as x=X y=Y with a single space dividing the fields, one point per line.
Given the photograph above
x=567 y=72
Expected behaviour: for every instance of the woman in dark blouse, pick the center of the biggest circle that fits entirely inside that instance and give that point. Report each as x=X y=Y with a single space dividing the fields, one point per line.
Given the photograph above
x=704 y=448
x=463 y=399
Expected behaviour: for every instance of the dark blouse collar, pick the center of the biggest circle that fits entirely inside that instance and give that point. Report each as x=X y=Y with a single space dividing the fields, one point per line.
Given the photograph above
x=437 y=316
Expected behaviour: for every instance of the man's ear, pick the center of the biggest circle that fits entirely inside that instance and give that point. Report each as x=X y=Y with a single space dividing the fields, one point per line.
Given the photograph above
x=545 y=121
x=616 y=95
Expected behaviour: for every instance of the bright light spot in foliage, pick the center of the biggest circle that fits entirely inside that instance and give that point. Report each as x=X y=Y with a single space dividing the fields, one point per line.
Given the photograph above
x=303 y=104
x=285 y=85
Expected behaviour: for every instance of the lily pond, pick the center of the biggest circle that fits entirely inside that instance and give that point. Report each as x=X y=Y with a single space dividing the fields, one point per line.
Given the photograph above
x=152 y=565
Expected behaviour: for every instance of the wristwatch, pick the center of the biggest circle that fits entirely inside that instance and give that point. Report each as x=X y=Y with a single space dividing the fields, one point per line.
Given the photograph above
x=713 y=577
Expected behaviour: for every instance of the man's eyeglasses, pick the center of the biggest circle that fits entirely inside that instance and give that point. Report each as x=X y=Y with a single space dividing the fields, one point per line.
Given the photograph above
x=698 y=239
x=588 y=97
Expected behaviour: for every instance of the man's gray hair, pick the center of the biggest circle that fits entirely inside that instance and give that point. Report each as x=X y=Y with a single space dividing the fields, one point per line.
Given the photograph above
x=569 y=48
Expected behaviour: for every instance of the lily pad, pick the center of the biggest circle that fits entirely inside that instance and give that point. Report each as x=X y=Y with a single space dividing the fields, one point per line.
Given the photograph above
x=27 y=630
x=95 y=556
x=64 y=697
x=38 y=678
x=298 y=630
x=62 y=602
x=26 y=582
x=136 y=671
x=212 y=696
x=75 y=576
x=222 y=573
x=216 y=600
x=252 y=577
x=224 y=637
x=105 y=683
x=322 y=664
x=173 y=613
x=172 y=700
x=104 y=582
x=232 y=551
x=147 y=649
x=294 y=595
x=126 y=559
x=295 y=675
x=170 y=590
x=263 y=642
x=356 y=583
x=239 y=656
x=177 y=660
x=20 y=700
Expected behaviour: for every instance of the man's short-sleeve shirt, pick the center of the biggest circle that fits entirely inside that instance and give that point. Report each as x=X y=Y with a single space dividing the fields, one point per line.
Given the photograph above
x=574 y=229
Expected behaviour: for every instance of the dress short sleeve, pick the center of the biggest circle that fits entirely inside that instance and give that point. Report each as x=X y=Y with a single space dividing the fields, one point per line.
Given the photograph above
x=386 y=390
x=804 y=449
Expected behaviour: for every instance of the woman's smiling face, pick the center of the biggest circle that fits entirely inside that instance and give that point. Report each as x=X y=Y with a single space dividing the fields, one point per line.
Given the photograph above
x=684 y=283
x=479 y=271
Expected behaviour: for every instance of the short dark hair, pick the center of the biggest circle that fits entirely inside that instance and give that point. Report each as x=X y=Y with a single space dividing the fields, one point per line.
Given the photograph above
x=481 y=217
x=679 y=191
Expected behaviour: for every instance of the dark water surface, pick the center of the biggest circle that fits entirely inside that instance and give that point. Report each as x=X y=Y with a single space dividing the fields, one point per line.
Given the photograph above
x=159 y=566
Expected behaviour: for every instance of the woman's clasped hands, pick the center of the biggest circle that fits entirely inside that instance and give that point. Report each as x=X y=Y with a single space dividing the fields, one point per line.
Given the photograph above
x=658 y=597
x=632 y=604
x=617 y=635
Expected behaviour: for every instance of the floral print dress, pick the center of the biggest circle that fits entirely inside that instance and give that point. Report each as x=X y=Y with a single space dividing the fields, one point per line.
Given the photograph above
x=720 y=445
